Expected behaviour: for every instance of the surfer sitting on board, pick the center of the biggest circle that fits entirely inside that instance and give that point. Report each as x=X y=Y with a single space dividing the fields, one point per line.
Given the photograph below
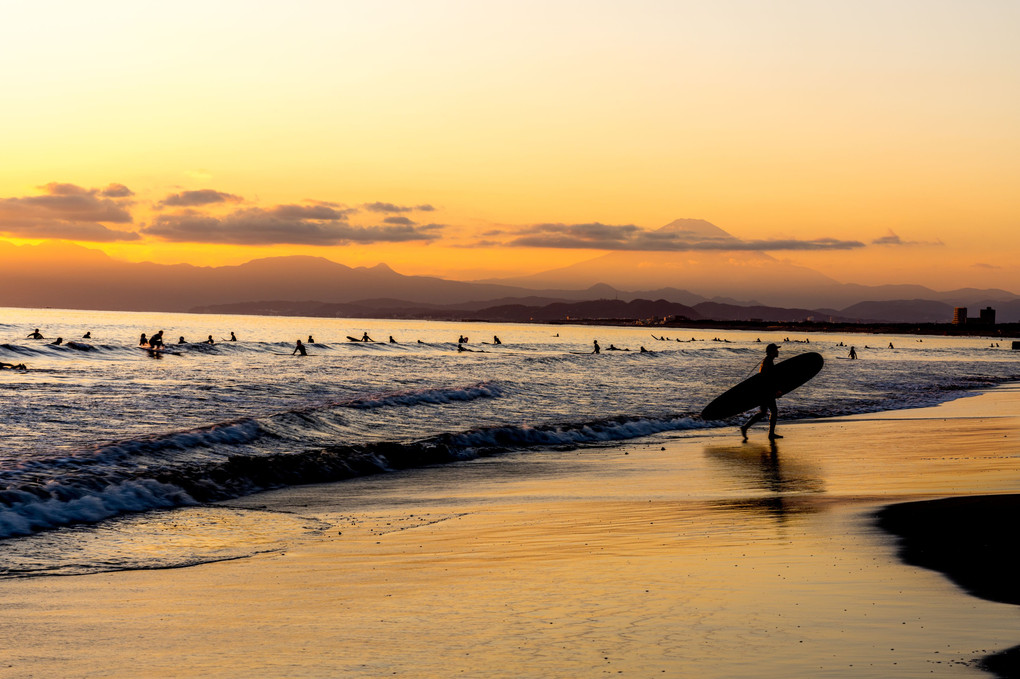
x=35 y=334
x=299 y=348
x=769 y=405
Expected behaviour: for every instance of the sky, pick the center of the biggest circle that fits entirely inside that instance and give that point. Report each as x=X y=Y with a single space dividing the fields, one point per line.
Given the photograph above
x=877 y=142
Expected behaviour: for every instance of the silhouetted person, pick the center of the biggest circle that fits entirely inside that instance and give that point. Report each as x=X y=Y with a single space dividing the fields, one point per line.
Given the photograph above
x=366 y=338
x=311 y=340
x=156 y=341
x=300 y=348
x=232 y=338
x=392 y=341
x=768 y=405
x=12 y=366
x=209 y=341
x=143 y=341
x=495 y=340
x=891 y=346
x=87 y=335
x=35 y=334
x=643 y=350
x=180 y=340
x=57 y=342
x=853 y=354
x=596 y=349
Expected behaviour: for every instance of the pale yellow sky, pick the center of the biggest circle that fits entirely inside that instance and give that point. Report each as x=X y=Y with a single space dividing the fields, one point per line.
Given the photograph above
x=792 y=121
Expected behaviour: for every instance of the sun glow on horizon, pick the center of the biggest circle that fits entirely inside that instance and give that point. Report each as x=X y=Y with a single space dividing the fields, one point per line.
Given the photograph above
x=276 y=128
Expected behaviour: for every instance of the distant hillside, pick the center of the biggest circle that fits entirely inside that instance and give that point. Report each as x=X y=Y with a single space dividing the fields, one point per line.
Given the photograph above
x=68 y=276
x=899 y=311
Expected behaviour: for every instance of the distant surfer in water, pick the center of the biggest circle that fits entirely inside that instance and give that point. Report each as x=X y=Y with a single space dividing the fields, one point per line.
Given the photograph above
x=596 y=349
x=769 y=405
x=852 y=354
x=57 y=342
x=495 y=340
x=209 y=341
x=311 y=340
x=11 y=366
x=366 y=338
x=392 y=341
x=180 y=340
x=300 y=348
x=143 y=341
x=87 y=335
x=156 y=341
x=232 y=338
x=35 y=334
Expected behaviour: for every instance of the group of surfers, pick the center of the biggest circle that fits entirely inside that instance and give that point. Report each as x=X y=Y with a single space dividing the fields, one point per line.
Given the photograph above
x=766 y=367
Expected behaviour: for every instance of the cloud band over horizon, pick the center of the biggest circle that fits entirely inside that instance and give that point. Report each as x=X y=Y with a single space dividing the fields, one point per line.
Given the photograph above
x=70 y=212
x=596 y=236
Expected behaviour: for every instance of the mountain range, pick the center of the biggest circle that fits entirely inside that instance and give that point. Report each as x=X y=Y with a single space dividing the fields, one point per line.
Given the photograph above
x=718 y=284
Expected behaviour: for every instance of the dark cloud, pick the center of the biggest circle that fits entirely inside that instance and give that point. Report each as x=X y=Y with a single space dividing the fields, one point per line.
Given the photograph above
x=398 y=220
x=116 y=191
x=598 y=236
x=198 y=198
x=68 y=211
x=390 y=207
x=286 y=224
x=984 y=265
x=893 y=239
x=319 y=211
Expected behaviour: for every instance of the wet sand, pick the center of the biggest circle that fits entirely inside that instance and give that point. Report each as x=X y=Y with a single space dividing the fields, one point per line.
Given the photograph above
x=682 y=555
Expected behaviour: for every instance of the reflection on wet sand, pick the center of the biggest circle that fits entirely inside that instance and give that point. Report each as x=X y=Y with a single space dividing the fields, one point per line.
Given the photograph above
x=767 y=483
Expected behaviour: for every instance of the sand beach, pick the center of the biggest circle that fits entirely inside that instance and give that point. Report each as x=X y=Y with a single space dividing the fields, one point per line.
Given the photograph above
x=682 y=554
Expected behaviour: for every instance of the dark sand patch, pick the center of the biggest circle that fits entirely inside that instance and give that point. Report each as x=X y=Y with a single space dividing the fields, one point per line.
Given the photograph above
x=972 y=541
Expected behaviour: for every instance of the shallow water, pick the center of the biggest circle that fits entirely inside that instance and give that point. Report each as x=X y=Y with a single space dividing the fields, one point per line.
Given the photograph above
x=104 y=430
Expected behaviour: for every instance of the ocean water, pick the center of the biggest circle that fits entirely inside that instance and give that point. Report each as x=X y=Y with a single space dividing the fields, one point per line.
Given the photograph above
x=101 y=437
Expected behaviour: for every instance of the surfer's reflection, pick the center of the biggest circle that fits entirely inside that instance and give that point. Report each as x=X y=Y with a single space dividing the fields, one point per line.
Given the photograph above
x=762 y=482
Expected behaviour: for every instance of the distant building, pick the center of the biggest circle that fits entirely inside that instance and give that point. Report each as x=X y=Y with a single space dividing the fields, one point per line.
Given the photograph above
x=987 y=316
x=960 y=315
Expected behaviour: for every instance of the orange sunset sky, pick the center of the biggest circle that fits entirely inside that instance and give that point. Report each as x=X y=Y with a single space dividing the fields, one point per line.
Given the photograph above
x=877 y=142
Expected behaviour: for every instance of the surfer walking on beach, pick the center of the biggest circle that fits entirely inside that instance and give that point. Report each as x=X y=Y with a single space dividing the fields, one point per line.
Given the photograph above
x=768 y=406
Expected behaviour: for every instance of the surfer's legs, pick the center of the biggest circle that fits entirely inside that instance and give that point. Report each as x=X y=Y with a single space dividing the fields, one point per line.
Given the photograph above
x=773 y=415
x=754 y=418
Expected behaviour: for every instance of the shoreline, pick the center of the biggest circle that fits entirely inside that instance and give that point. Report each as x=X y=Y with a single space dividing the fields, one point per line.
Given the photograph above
x=681 y=553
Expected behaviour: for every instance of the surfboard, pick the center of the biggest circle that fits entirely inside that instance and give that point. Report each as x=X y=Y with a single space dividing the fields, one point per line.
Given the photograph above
x=358 y=339
x=787 y=375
